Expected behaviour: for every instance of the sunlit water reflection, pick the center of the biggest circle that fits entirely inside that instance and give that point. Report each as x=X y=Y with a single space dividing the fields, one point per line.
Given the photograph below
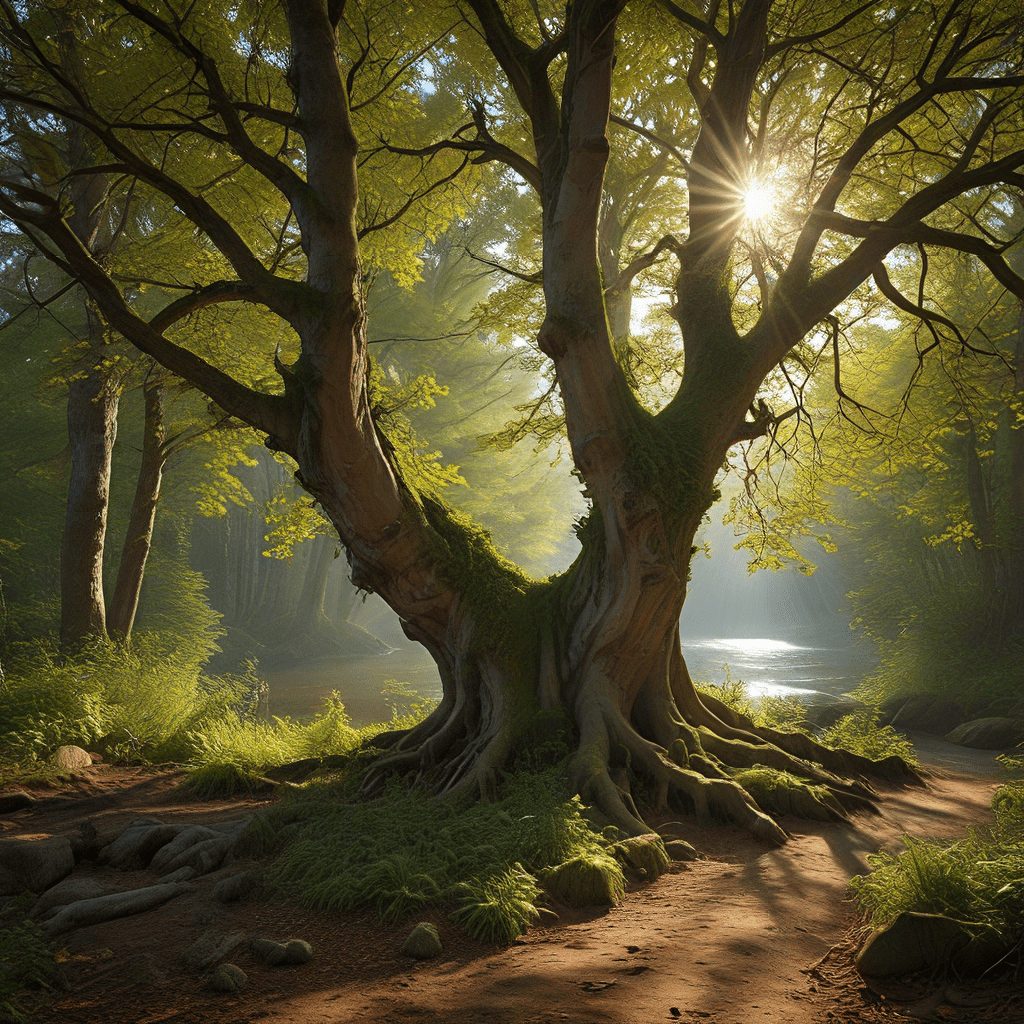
x=767 y=666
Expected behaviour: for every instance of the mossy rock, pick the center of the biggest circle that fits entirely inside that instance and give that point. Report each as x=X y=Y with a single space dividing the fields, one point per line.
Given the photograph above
x=590 y=880
x=297 y=951
x=423 y=942
x=269 y=952
x=646 y=855
x=227 y=978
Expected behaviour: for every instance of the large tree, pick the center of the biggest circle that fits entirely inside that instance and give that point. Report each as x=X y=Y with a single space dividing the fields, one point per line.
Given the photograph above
x=897 y=122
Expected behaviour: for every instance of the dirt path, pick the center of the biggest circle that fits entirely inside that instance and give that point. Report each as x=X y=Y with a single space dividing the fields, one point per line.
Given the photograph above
x=727 y=939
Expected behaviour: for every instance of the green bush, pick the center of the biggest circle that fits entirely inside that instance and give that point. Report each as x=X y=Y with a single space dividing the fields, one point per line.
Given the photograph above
x=978 y=880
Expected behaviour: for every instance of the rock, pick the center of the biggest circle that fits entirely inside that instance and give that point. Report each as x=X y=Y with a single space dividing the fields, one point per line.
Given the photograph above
x=423 y=942
x=137 y=844
x=981 y=953
x=924 y=711
x=825 y=709
x=17 y=801
x=679 y=849
x=71 y=890
x=107 y=908
x=913 y=942
x=298 y=951
x=189 y=836
x=70 y=758
x=211 y=947
x=645 y=854
x=227 y=978
x=986 y=734
x=236 y=887
x=34 y=864
x=269 y=952
x=589 y=880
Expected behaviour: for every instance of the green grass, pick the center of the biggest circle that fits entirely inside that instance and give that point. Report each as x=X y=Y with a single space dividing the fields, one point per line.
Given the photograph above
x=860 y=732
x=978 y=880
x=407 y=851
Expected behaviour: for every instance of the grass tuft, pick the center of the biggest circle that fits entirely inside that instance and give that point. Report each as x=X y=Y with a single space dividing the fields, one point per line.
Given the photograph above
x=978 y=880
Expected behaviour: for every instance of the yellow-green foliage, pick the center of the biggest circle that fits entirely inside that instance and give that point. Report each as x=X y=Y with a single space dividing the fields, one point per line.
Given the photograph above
x=861 y=733
x=773 y=712
x=144 y=699
x=978 y=880
x=407 y=850
x=231 y=753
x=498 y=907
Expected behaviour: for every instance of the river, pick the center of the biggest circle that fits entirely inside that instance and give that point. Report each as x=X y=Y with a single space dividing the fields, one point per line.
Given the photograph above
x=767 y=666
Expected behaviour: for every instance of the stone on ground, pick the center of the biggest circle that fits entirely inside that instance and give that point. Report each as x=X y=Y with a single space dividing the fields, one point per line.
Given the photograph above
x=71 y=890
x=986 y=734
x=913 y=942
x=136 y=846
x=34 y=864
x=227 y=978
x=70 y=758
x=423 y=942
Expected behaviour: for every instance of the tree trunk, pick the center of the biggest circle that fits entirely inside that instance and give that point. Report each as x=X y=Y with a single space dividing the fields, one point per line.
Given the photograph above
x=92 y=426
x=139 y=536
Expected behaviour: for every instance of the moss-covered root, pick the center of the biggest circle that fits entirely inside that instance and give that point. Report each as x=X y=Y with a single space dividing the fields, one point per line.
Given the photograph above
x=710 y=799
x=738 y=727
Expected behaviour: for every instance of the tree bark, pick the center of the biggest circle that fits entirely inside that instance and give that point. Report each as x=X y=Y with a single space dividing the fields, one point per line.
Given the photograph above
x=139 y=535
x=92 y=426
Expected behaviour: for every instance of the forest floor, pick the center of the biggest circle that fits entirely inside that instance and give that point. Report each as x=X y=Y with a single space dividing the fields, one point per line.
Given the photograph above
x=745 y=935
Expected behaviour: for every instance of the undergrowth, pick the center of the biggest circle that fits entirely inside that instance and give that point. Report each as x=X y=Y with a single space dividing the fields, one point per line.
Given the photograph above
x=977 y=880
x=406 y=851
x=26 y=961
x=860 y=732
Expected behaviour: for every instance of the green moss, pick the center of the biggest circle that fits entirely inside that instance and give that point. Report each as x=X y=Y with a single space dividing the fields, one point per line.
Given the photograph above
x=589 y=880
x=646 y=855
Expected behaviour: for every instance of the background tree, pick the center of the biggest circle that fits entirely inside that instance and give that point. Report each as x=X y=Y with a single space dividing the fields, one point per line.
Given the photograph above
x=900 y=124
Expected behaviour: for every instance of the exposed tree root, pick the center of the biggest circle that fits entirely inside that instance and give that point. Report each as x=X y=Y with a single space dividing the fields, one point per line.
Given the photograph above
x=675 y=750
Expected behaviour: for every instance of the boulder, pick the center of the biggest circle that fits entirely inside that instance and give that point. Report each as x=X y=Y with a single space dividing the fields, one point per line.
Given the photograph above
x=34 y=864
x=925 y=711
x=201 y=857
x=236 y=887
x=423 y=942
x=70 y=758
x=645 y=854
x=679 y=849
x=589 y=880
x=986 y=734
x=269 y=952
x=913 y=942
x=297 y=951
x=115 y=905
x=981 y=954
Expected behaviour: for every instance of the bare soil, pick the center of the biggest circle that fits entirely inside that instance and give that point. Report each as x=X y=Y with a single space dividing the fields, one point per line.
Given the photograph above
x=746 y=935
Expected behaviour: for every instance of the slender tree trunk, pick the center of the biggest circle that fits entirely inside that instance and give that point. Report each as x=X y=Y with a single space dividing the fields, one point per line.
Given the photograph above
x=139 y=536
x=92 y=426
